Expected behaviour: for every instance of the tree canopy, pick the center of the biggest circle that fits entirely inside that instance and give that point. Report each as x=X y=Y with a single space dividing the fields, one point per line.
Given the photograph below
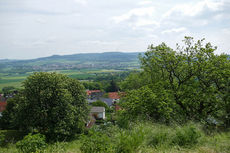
x=51 y=104
x=190 y=82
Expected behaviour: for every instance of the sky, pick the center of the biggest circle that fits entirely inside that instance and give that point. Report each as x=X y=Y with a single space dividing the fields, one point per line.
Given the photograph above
x=40 y=28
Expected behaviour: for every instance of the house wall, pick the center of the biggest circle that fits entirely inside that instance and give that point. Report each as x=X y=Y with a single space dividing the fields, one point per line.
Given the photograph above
x=101 y=115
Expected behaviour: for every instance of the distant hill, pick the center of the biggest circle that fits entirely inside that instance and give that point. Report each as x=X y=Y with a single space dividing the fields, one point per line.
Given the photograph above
x=107 y=60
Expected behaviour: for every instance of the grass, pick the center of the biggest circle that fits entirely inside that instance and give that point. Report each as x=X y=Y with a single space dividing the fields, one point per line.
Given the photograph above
x=142 y=138
x=15 y=79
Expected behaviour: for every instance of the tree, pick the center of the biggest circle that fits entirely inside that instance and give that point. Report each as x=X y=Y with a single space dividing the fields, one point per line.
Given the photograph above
x=148 y=104
x=8 y=90
x=113 y=87
x=100 y=103
x=52 y=104
x=194 y=78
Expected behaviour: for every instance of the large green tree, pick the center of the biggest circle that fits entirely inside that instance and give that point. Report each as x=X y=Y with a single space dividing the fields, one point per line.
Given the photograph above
x=52 y=104
x=194 y=79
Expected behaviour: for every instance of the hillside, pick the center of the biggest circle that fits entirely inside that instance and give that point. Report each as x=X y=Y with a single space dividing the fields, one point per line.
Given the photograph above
x=108 y=60
x=79 y=66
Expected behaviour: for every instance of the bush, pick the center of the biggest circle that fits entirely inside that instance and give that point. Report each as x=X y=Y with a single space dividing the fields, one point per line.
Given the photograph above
x=96 y=142
x=158 y=139
x=186 y=136
x=122 y=120
x=32 y=143
x=129 y=142
x=57 y=147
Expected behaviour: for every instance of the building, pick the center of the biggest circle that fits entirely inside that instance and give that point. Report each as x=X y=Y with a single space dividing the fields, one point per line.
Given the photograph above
x=2 y=107
x=98 y=112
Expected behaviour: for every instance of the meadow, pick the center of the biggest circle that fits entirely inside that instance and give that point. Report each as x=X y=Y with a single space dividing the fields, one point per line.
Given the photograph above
x=141 y=137
x=16 y=79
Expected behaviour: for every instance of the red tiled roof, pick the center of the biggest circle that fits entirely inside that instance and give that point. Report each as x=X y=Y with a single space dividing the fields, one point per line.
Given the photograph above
x=89 y=92
x=114 y=95
x=2 y=106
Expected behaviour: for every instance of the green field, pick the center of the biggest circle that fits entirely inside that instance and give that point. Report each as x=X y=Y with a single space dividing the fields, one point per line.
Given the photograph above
x=10 y=79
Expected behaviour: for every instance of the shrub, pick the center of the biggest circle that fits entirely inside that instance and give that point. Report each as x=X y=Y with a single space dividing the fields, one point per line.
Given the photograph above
x=122 y=120
x=32 y=143
x=186 y=136
x=158 y=138
x=129 y=142
x=96 y=142
x=57 y=147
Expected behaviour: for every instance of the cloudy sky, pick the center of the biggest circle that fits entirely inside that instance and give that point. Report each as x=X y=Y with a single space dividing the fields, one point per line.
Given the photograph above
x=39 y=28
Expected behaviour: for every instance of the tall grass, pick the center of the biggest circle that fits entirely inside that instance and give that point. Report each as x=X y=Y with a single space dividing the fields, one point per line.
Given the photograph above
x=142 y=137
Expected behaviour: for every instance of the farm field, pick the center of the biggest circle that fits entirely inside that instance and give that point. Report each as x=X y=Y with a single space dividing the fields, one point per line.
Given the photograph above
x=11 y=79
x=78 y=66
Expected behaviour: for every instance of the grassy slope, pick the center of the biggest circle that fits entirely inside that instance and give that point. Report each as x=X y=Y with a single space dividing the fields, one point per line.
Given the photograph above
x=207 y=143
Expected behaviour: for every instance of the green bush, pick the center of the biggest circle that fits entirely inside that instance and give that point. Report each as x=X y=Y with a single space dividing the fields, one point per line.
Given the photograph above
x=32 y=143
x=122 y=120
x=186 y=136
x=96 y=142
x=129 y=142
x=158 y=138
x=57 y=147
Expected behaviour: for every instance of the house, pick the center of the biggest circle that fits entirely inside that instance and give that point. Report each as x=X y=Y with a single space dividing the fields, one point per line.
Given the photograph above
x=94 y=94
x=107 y=101
x=98 y=112
x=115 y=96
x=2 y=107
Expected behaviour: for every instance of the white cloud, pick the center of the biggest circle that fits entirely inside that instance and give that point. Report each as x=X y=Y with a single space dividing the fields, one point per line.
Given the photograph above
x=145 y=22
x=82 y=2
x=174 y=30
x=102 y=25
x=41 y=20
x=145 y=2
x=137 y=12
x=194 y=9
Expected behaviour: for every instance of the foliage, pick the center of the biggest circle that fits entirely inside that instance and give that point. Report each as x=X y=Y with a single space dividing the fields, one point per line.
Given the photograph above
x=122 y=119
x=148 y=104
x=10 y=136
x=10 y=115
x=158 y=138
x=8 y=89
x=96 y=142
x=100 y=103
x=135 y=80
x=32 y=143
x=51 y=104
x=189 y=83
x=57 y=147
x=186 y=136
x=113 y=87
x=154 y=140
x=130 y=142
x=93 y=85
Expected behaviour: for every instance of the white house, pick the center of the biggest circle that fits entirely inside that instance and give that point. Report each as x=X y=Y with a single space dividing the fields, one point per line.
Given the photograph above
x=98 y=112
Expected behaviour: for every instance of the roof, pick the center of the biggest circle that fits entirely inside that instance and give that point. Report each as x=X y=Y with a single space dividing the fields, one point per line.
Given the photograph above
x=89 y=92
x=114 y=95
x=108 y=101
x=97 y=109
